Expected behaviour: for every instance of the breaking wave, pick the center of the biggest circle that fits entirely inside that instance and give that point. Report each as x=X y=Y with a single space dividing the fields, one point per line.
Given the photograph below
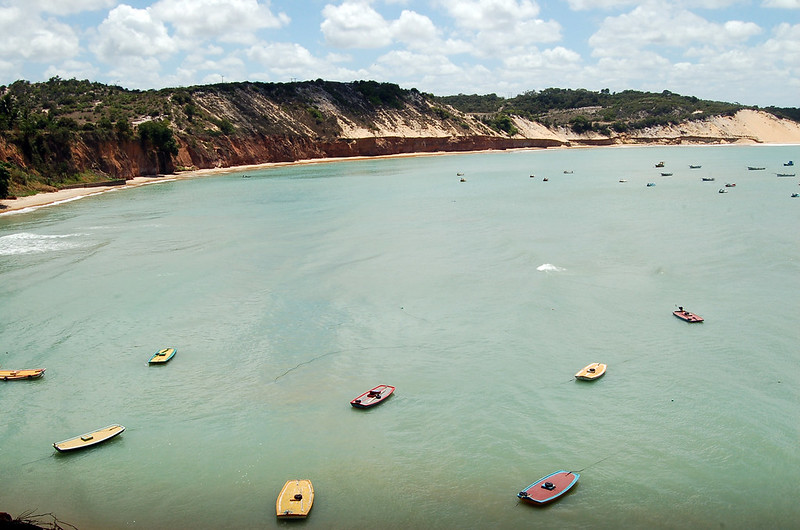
x=549 y=267
x=27 y=243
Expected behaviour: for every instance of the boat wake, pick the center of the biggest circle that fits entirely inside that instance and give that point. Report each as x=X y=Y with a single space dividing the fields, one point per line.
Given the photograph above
x=549 y=267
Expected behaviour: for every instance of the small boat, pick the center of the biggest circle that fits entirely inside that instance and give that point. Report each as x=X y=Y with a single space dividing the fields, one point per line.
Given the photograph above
x=592 y=371
x=753 y=168
x=623 y=180
x=708 y=179
x=549 y=488
x=533 y=176
x=786 y=174
x=459 y=174
x=463 y=179
x=567 y=172
x=686 y=315
x=545 y=179
x=666 y=174
x=795 y=195
x=694 y=167
x=722 y=190
x=12 y=375
x=90 y=438
x=295 y=499
x=789 y=163
x=163 y=355
x=730 y=185
x=651 y=184
x=372 y=397
x=660 y=164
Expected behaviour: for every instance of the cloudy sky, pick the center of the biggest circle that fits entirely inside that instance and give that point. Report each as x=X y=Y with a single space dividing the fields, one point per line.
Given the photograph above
x=729 y=50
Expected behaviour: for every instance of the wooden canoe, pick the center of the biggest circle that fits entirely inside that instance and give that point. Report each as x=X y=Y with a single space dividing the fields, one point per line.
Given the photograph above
x=11 y=375
x=549 y=488
x=295 y=499
x=590 y=372
x=90 y=438
x=373 y=397
x=163 y=355
x=687 y=316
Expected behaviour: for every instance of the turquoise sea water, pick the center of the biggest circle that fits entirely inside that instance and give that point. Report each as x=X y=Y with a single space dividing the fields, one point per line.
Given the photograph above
x=291 y=291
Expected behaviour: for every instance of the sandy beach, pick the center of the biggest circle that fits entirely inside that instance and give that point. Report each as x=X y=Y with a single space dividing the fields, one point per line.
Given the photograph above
x=54 y=198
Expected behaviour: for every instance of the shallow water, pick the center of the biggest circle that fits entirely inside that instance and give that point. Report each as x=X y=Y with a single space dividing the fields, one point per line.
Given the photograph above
x=291 y=291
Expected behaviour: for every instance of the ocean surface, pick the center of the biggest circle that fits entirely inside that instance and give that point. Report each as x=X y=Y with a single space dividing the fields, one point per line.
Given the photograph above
x=289 y=291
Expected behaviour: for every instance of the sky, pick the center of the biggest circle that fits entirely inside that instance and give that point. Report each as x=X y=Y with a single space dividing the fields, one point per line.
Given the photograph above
x=726 y=50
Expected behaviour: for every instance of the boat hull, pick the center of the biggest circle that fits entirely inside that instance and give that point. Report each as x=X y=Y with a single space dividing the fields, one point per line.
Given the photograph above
x=295 y=499
x=549 y=488
x=590 y=372
x=12 y=375
x=162 y=356
x=89 y=439
x=372 y=397
x=687 y=316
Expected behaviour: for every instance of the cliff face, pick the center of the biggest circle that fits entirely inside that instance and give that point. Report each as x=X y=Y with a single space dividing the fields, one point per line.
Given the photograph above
x=250 y=123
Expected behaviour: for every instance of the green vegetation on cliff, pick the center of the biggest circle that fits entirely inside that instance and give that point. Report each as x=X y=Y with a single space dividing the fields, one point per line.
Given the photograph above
x=60 y=132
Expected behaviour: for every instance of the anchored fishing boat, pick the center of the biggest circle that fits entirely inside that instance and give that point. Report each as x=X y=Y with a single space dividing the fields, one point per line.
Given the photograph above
x=686 y=315
x=372 y=397
x=163 y=355
x=295 y=499
x=11 y=375
x=89 y=439
x=549 y=488
x=592 y=371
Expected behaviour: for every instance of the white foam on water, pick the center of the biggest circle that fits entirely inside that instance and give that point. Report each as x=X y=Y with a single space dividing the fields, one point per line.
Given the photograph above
x=28 y=243
x=549 y=267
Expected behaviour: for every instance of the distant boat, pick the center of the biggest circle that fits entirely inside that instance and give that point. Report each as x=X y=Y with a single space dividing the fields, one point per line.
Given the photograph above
x=651 y=184
x=549 y=488
x=12 y=375
x=722 y=190
x=567 y=172
x=592 y=371
x=666 y=174
x=789 y=163
x=533 y=176
x=89 y=439
x=295 y=499
x=463 y=179
x=623 y=180
x=686 y=315
x=163 y=355
x=708 y=179
x=660 y=164
x=786 y=174
x=459 y=174
x=373 y=397
x=752 y=168
x=795 y=195
x=730 y=185
x=694 y=167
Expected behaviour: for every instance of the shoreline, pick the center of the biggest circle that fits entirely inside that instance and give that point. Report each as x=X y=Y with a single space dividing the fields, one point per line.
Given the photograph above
x=54 y=198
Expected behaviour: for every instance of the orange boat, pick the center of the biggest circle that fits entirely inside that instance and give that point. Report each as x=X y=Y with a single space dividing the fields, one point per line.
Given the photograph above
x=11 y=375
x=686 y=315
x=549 y=488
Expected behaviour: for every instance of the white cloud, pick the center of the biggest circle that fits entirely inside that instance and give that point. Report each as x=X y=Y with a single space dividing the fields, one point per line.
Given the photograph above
x=128 y=32
x=61 y=7
x=355 y=24
x=227 y=20
x=490 y=15
x=785 y=4
x=24 y=35
x=664 y=26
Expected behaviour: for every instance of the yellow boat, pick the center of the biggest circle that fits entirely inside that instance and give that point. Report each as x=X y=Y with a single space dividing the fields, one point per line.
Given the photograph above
x=10 y=375
x=590 y=372
x=295 y=499
x=90 y=438
x=162 y=356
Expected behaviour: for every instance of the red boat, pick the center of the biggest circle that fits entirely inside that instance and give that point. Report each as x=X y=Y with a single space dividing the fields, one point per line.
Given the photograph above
x=549 y=488
x=373 y=397
x=686 y=315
